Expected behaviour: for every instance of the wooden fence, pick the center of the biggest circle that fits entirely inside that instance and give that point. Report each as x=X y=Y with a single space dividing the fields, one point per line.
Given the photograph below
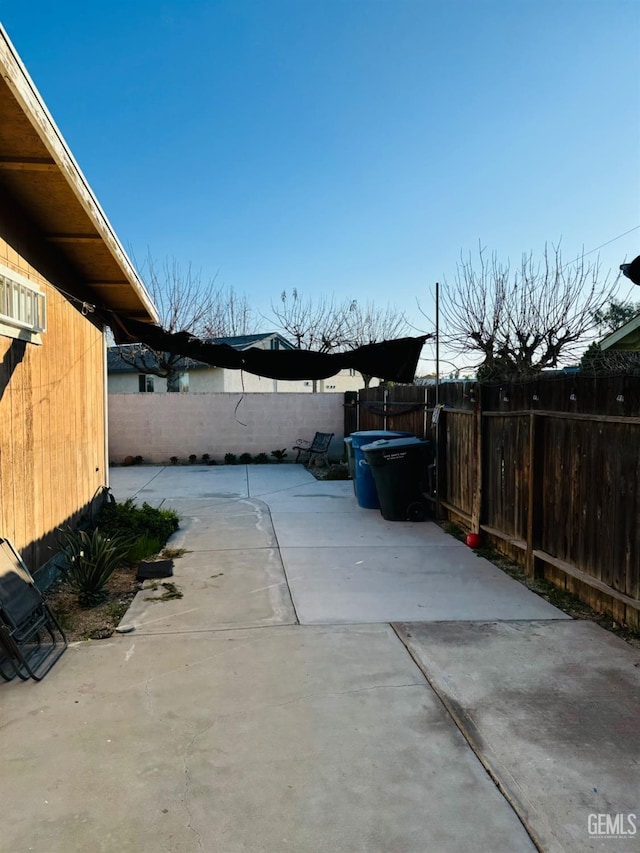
x=548 y=470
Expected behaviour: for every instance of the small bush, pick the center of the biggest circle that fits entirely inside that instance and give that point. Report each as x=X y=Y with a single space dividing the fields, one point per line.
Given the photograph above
x=261 y=459
x=138 y=460
x=117 y=519
x=245 y=459
x=279 y=455
x=230 y=458
x=205 y=458
x=89 y=560
x=174 y=460
x=193 y=458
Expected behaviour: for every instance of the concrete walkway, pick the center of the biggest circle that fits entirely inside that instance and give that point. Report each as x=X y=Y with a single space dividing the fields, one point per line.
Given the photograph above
x=274 y=708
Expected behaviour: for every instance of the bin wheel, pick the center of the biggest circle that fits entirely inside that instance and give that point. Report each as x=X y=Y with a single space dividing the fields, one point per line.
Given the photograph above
x=417 y=511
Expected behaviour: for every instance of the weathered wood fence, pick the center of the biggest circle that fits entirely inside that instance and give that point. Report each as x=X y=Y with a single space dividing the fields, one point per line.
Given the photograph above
x=548 y=470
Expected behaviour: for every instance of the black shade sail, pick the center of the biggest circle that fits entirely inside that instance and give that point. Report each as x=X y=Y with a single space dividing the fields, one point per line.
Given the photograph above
x=395 y=361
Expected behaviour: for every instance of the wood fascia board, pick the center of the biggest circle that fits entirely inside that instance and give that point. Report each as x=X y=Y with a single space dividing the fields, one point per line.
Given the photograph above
x=30 y=101
x=616 y=337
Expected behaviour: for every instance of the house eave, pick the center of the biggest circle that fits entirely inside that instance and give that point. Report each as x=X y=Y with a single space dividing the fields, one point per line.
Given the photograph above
x=38 y=170
x=627 y=337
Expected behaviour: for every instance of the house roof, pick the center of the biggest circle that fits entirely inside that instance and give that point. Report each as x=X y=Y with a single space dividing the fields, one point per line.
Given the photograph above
x=242 y=342
x=145 y=360
x=39 y=172
x=627 y=337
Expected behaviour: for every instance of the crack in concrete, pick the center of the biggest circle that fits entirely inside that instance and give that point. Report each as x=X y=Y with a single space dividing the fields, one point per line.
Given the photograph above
x=184 y=799
x=304 y=696
x=149 y=697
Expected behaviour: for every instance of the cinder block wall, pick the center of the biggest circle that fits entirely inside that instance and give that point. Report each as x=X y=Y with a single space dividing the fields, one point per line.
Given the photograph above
x=159 y=426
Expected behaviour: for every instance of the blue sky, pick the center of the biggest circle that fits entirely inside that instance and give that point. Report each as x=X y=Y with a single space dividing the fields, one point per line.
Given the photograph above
x=353 y=147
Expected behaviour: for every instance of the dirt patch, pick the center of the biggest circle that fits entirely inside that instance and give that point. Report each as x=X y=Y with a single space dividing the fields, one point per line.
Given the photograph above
x=94 y=623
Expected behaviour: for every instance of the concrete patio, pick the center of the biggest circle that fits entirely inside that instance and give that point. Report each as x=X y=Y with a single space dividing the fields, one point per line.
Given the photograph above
x=330 y=681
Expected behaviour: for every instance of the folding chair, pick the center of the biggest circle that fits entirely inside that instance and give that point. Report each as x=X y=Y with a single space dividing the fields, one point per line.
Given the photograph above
x=31 y=639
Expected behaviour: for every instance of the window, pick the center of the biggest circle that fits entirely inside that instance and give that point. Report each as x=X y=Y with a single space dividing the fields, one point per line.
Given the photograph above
x=145 y=383
x=274 y=343
x=23 y=307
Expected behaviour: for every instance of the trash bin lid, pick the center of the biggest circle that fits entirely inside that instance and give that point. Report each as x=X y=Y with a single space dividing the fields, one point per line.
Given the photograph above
x=368 y=435
x=394 y=443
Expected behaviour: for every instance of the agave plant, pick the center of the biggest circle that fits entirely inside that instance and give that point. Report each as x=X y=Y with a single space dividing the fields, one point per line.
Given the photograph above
x=89 y=560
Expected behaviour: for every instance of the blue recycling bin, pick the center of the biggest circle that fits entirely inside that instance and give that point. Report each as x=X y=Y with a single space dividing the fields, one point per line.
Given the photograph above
x=365 y=486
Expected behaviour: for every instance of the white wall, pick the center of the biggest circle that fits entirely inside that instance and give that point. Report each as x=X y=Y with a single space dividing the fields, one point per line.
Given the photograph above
x=159 y=426
x=216 y=379
x=128 y=383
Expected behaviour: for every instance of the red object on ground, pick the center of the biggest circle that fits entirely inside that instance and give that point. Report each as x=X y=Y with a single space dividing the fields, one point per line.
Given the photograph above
x=473 y=540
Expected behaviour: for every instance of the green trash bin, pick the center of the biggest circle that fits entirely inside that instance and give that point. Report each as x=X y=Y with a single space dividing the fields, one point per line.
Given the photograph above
x=400 y=467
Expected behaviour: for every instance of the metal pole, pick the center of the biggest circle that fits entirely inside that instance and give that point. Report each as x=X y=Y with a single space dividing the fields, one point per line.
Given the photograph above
x=437 y=343
x=437 y=401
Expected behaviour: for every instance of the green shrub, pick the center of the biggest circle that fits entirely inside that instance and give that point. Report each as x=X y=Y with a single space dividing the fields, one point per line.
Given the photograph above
x=279 y=455
x=230 y=458
x=144 y=546
x=127 y=519
x=89 y=560
x=261 y=458
x=245 y=459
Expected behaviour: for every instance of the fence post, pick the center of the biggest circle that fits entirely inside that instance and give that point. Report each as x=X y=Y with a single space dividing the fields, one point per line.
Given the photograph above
x=476 y=514
x=385 y=397
x=534 y=508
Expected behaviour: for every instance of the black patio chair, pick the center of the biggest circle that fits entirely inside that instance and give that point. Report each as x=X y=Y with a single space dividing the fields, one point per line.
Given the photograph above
x=316 y=449
x=31 y=639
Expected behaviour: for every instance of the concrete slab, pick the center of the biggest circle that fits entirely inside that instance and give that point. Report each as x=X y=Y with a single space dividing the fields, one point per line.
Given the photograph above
x=430 y=582
x=366 y=527
x=125 y=482
x=552 y=708
x=317 y=497
x=276 y=740
x=154 y=484
x=211 y=507
x=226 y=531
x=269 y=479
x=221 y=589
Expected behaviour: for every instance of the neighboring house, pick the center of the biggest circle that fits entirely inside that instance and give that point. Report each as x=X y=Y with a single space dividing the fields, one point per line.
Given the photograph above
x=196 y=377
x=625 y=339
x=59 y=257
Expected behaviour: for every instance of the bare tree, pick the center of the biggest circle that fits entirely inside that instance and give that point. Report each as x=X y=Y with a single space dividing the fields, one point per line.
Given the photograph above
x=320 y=325
x=231 y=315
x=325 y=325
x=186 y=303
x=370 y=324
x=524 y=320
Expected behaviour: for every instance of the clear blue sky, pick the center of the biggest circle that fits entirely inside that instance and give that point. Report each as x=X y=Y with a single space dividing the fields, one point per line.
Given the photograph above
x=347 y=146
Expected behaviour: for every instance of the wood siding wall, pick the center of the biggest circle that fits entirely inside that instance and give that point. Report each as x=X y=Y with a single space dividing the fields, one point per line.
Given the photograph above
x=52 y=418
x=548 y=470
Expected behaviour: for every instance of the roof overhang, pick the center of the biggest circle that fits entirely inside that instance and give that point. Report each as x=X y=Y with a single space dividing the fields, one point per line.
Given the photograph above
x=38 y=170
x=627 y=337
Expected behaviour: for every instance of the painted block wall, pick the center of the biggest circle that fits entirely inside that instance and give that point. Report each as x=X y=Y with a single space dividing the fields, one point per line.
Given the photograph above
x=159 y=426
